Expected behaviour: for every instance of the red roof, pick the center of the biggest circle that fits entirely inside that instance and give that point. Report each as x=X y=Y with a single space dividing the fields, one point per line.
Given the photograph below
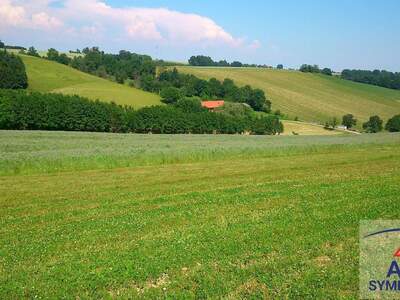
x=212 y=104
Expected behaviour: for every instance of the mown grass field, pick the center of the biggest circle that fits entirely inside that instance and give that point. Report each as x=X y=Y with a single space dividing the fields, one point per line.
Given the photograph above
x=48 y=76
x=147 y=216
x=311 y=97
x=302 y=128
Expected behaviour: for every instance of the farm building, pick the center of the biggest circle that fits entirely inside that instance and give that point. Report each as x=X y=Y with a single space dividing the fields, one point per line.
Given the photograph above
x=212 y=104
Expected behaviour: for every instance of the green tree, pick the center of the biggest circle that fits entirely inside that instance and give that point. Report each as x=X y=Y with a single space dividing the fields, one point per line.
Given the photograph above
x=170 y=95
x=326 y=71
x=190 y=105
x=52 y=54
x=279 y=67
x=349 y=121
x=258 y=101
x=2 y=45
x=373 y=125
x=12 y=72
x=63 y=59
x=32 y=52
x=393 y=124
x=201 y=60
x=215 y=88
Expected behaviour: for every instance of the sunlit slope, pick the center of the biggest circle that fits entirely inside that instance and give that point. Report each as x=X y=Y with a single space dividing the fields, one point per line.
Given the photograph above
x=47 y=76
x=302 y=128
x=311 y=97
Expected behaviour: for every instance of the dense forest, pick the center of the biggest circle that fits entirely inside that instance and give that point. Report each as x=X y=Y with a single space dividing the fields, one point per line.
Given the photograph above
x=380 y=78
x=37 y=111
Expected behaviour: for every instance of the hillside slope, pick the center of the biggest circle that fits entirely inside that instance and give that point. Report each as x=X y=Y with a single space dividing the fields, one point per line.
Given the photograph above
x=48 y=76
x=311 y=97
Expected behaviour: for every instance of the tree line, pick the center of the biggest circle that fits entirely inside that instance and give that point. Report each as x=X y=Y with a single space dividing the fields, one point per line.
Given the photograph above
x=373 y=125
x=206 y=61
x=37 y=111
x=377 y=77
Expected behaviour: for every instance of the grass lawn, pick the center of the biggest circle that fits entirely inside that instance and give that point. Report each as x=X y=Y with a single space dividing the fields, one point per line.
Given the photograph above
x=311 y=97
x=87 y=215
x=47 y=76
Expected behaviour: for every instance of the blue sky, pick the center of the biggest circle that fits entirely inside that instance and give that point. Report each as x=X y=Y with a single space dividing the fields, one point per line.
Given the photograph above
x=338 y=34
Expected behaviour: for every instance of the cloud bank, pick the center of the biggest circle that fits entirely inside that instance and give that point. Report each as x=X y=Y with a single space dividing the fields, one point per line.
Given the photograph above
x=94 y=20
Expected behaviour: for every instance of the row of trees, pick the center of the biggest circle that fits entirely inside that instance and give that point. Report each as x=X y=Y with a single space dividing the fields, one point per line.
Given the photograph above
x=12 y=72
x=377 y=77
x=4 y=46
x=122 y=66
x=206 y=61
x=22 y=110
x=315 y=69
x=373 y=125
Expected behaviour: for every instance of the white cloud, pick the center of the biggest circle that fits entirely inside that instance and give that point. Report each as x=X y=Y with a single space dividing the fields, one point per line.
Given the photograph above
x=43 y=21
x=16 y=15
x=89 y=18
x=11 y=14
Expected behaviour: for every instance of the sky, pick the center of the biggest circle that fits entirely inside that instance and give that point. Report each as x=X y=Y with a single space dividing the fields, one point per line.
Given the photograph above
x=339 y=34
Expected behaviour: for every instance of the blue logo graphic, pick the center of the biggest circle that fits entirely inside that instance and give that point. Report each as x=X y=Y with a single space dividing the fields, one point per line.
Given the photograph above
x=392 y=280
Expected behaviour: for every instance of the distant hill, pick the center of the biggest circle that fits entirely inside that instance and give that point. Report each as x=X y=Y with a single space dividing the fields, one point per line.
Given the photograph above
x=48 y=76
x=310 y=97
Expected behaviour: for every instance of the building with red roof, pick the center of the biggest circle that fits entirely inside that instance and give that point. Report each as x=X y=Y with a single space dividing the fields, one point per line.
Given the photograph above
x=212 y=104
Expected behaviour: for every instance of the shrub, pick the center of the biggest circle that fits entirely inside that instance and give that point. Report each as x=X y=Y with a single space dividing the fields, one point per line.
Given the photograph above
x=393 y=124
x=235 y=109
x=12 y=72
x=170 y=95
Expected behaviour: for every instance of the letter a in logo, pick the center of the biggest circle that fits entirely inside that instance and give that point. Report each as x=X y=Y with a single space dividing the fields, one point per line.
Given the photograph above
x=393 y=269
x=397 y=253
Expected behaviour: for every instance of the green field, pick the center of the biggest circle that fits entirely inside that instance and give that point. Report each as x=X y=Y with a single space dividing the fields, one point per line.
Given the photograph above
x=311 y=97
x=48 y=76
x=95 y=215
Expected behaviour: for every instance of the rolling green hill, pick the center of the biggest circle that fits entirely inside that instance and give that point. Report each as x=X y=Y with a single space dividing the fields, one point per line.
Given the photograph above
x=311 y=97
x=48 y=76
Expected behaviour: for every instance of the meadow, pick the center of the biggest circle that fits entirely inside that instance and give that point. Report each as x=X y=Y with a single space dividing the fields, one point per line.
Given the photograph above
x=310 y=97
x=94 y=215
x=48 y=76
